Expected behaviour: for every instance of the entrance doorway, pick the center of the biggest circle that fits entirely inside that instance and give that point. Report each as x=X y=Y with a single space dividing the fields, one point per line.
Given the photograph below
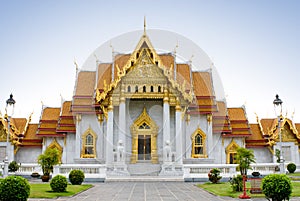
x=144 y=147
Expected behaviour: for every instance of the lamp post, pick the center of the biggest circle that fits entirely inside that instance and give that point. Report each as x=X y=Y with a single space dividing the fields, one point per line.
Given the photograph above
x=278 y=110
x=10 y=104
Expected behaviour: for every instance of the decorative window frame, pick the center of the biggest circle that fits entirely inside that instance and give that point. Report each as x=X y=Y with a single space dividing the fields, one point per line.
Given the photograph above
x=55 y=145
x=231 y=149
x=89 y=131
x=203 y=135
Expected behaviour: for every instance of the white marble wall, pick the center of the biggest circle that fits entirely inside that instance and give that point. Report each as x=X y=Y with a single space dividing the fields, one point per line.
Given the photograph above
x=28 y=154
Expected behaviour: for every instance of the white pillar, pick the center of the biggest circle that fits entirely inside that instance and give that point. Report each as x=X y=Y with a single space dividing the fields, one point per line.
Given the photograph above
x=109 y=135
x=122 y=126
x=209 y=139
x=78 y=138
x=166 y=124
x=178 y=135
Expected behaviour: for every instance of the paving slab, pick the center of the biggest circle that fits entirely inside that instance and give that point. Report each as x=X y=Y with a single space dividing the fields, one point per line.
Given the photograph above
x=147 y=191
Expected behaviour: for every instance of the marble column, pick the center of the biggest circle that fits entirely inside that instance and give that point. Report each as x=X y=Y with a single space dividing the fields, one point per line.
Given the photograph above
x=78 y=137
x=109 y=134
x=166 y=126
x=122 y=129
x=178 y=135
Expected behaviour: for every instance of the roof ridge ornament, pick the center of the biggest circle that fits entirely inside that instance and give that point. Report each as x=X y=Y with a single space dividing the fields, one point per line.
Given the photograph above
x=144 y=27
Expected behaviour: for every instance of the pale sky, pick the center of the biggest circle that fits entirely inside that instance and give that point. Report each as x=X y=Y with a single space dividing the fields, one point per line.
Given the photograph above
x=254 y=45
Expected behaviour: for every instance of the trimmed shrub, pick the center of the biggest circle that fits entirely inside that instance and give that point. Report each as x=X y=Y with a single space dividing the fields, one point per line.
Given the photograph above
x=13 y=166
x=291 y=167
x=214 y=175
x=236 y=183
x=59 y=183
x=76 y=177
x=277 y=187
x=14 y=188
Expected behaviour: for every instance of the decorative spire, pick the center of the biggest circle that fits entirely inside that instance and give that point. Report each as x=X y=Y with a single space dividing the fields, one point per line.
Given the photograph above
x=144 y=25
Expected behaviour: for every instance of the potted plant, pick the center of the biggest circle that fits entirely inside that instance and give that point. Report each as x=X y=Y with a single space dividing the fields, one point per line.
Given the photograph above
x=47 y=160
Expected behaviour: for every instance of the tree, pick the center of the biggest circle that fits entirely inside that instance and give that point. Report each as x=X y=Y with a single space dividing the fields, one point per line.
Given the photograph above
x=48 y=159
x=244 y=158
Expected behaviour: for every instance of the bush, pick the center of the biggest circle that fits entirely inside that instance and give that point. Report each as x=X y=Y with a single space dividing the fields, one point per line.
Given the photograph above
x=13 y=166
x=14 y=188
x=278 y=187
x=59 y=183
x=236 y=183
x=291 y=167
x=214 y=175
x=76 y=177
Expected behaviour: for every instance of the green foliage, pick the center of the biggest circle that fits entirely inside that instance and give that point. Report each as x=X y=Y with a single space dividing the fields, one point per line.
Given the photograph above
x=277 y=154
x=13 y=166
x=277 y=187
x=59 y=183
x=14 y=188
x=291 y=167
x=214 y=175
x=244 y=158
x=48 y=159
x=236 y=183
x=76 y=177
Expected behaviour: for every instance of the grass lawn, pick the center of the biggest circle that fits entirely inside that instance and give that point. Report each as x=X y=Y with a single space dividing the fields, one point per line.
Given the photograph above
x=43 y=190
x=224 y=189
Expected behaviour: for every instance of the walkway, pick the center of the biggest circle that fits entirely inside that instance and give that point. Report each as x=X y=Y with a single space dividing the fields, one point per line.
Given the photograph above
x=150 y=191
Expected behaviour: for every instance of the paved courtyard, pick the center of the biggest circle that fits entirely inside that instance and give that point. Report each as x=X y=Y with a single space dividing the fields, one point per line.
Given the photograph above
x=150 y=191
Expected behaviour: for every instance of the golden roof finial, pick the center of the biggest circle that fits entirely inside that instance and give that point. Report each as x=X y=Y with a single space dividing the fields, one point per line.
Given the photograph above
x=144 y=25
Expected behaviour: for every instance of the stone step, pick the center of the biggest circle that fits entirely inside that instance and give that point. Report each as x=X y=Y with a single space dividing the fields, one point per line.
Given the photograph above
x=144 y=169
x=145 y=179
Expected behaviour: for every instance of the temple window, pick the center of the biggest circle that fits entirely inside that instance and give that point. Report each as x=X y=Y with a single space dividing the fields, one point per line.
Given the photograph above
x=136 y=89
x=159 y=89
x=151 y=55
x=151 y=89
x=144 y=126
x=137 y=55
x=144 y=88
x=128 y=89
x=132 y=63
x=156 y=63
x=198 y=144
x=88 y=144
x=231 y=152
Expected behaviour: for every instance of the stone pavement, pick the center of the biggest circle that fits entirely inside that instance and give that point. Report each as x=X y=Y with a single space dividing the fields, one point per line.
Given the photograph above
x=150 y=191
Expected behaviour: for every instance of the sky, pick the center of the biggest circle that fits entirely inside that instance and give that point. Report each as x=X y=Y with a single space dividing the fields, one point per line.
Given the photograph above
x=254 y=46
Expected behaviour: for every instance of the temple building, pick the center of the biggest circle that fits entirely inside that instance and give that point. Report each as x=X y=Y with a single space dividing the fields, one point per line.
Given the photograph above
x=146 y=113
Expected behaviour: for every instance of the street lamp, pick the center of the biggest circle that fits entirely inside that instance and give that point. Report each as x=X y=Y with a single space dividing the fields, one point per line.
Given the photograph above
x=10 y=104
x=278 y=110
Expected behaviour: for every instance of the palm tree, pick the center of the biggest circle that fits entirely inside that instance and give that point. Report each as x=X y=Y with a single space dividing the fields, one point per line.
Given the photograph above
x=244 y=158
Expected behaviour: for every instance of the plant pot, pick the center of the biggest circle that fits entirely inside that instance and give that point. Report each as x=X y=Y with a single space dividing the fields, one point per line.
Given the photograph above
x=45 y=178
x=35 y=175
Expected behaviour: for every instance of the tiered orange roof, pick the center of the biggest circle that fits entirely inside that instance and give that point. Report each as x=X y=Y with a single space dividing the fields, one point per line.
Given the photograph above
x=30 y=138
x=239 y=123
x=221 y=122
x=183 y=74
x=48 y=122
x=256 y=139
x=204 y=93
x=83 y=99
x=66 y=119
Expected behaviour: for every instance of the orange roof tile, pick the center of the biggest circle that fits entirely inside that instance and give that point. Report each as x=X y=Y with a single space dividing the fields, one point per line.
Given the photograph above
x=104 y=73
x=120 y=60
x=256 y=133
x=167 y=60
x=31 y=132
x=50 y=113
x=66 y=109
x=85 y=83
x=19 y=123
x=202 y=84
x=183 y=74
x=237 y=114
x=268 y=124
